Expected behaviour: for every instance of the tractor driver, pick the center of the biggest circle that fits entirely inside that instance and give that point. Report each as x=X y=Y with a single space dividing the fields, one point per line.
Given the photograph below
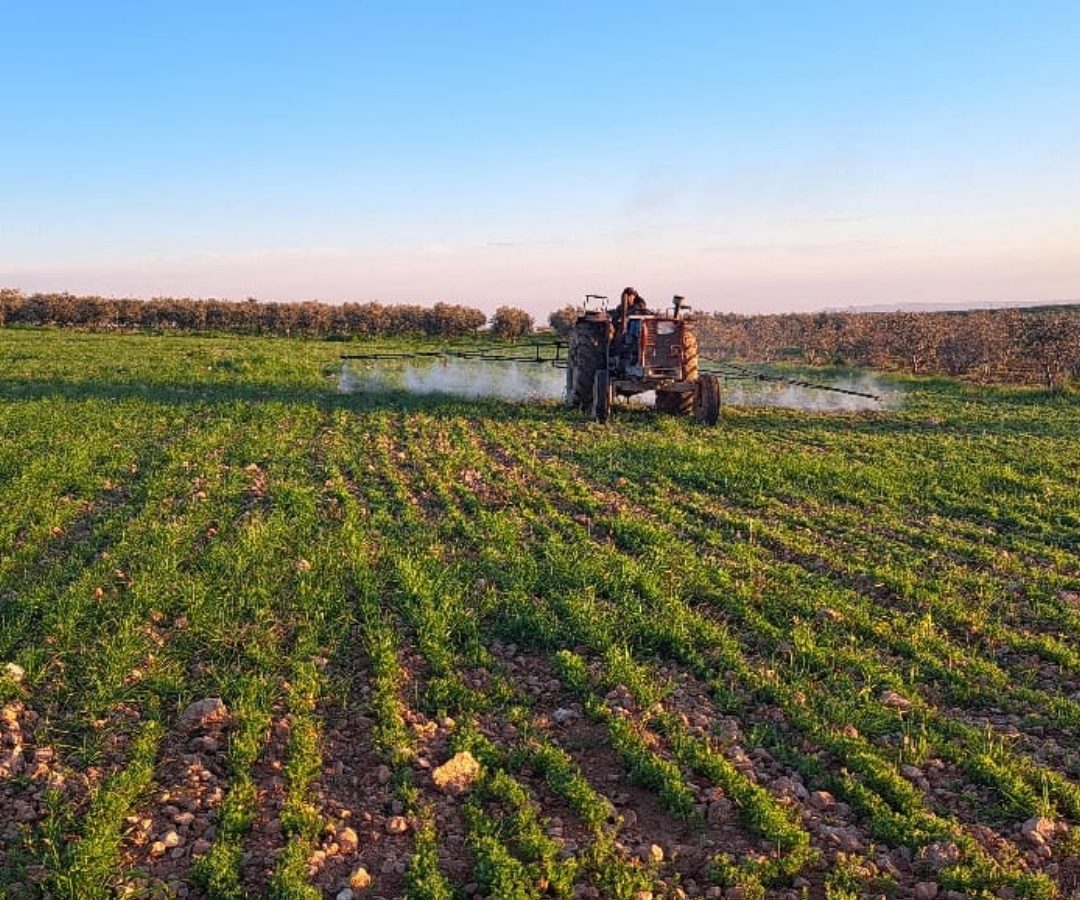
x=634 y=306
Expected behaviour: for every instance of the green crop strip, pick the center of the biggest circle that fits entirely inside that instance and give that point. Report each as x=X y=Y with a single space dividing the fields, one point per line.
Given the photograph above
x=88 y=866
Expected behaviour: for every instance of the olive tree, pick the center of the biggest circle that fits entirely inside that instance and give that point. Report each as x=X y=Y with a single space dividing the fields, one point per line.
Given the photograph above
x=510 y=323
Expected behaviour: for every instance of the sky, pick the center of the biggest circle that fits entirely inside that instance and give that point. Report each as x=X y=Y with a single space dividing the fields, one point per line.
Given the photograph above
x=752 y=156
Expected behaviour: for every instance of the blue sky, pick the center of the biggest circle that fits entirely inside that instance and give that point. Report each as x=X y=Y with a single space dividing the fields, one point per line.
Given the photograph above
x=753 y=156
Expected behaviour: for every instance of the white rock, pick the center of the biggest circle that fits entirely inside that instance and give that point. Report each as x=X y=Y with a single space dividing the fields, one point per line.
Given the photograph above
x=1039 y=825
x=895 y=700
x=719 y=811
x=847 y=839
x=940 y=854
x=347 y=840
x=360 y=879
x=457 y=774
x=789 y=787
x=11 y=759
x=203 y=713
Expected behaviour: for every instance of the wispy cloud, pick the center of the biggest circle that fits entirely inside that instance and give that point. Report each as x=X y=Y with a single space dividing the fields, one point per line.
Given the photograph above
x=261 y=254
x=808 y=248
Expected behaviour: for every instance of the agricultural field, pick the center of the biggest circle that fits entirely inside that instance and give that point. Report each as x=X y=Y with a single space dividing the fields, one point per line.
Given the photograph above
x=266 y=638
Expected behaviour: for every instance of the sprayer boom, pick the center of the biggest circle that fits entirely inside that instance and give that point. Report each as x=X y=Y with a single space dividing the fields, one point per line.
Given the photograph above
x=734 y=372
x=550 y=352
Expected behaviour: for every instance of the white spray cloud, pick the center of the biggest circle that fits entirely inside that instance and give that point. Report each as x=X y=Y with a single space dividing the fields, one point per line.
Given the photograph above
x=457 y=378
x=529 y=381
x=790 y=396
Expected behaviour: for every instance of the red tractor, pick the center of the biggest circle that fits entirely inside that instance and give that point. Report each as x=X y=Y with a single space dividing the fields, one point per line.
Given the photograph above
x=629 y=350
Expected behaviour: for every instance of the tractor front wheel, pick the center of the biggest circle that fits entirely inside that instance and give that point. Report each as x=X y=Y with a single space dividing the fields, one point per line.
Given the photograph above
x=707 y=400
x=690 y=355
x=674 y=403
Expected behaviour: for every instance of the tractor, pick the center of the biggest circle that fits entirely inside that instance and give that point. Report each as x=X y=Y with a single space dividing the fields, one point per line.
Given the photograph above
x=629 y=350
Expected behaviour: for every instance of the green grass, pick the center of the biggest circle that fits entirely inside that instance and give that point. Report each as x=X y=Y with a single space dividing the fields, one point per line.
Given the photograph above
x=185 y=517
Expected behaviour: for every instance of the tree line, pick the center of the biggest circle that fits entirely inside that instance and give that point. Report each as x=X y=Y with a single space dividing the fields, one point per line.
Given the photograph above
x=1016 y=344
x=1022 y=345
x=308 y=319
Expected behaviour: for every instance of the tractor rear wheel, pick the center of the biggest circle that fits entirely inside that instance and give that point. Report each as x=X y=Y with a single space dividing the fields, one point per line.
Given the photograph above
x=707 y=400
x=586 y=356
x=601 y=405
